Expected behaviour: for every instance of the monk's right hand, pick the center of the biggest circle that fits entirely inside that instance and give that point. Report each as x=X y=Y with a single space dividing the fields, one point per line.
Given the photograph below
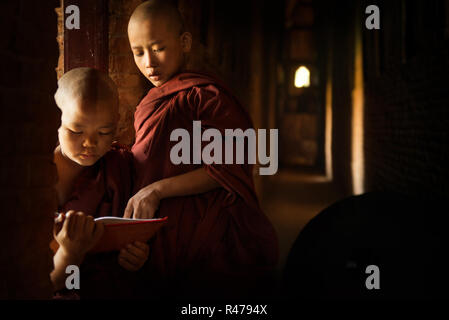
x=78 y=233
x=144 y=203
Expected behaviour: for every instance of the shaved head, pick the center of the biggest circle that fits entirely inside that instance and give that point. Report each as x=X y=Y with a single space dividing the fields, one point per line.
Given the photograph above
x=88 y=86
x=157 y=9
x=88 y=100
x=158 y=40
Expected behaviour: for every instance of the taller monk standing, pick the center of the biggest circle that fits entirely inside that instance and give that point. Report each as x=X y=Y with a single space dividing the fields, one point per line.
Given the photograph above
x=217 y=242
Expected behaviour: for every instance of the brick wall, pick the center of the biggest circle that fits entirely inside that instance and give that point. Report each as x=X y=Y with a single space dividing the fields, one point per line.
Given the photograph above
x=407 y=101
x=60 y=40
x=29 y=55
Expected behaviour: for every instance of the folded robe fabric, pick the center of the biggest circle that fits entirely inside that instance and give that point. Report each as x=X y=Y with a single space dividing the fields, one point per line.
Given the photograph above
x=217 y=240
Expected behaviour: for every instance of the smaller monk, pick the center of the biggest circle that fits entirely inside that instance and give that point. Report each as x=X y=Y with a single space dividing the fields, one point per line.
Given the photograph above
x=94 y=173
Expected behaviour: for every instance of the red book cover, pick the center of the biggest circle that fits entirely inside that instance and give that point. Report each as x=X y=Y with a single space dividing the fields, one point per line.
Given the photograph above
x=119 y=232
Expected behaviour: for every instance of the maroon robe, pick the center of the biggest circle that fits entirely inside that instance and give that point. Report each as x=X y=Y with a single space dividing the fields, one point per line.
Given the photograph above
x=104 y=189
x=218 y=241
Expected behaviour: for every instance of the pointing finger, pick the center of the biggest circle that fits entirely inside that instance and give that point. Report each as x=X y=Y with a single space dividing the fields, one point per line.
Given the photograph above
x=129 y=209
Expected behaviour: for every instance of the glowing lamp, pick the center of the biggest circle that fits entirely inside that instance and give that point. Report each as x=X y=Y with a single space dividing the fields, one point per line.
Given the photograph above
x=302 y=77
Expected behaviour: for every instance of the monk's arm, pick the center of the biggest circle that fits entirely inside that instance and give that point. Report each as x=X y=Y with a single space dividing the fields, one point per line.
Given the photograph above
x=193 y=182
x=75 y=233
x=145 y=202
x=61 y=260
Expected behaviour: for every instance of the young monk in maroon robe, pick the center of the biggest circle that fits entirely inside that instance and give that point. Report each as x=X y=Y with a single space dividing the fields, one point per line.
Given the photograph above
x=217 y=242
x=94 y=177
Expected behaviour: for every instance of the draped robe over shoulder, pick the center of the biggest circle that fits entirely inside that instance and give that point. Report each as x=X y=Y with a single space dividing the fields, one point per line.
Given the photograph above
x=219 y=240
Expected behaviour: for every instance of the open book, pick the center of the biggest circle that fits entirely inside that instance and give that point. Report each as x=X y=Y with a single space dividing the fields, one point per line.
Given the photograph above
x=119 y=232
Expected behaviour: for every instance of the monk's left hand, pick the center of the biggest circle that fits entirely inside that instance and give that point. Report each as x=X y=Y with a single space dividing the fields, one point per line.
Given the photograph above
x=133 y=256
x=143 y=204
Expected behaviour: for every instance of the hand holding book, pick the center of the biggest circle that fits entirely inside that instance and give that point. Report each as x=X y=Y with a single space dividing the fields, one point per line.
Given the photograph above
x=119 y=232
x=76 y=233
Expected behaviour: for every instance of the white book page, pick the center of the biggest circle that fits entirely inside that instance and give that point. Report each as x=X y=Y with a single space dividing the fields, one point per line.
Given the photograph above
x=112 y=220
